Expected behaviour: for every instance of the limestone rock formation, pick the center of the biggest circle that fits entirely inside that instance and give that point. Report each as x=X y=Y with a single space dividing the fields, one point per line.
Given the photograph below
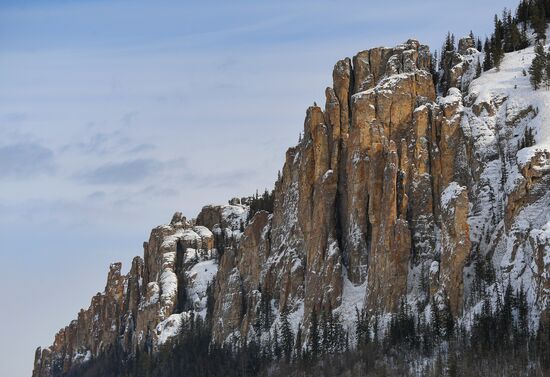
x=393 y=192
x=149 y=305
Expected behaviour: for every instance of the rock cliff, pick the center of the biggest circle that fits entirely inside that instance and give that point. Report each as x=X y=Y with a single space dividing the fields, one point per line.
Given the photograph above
x=391 y=195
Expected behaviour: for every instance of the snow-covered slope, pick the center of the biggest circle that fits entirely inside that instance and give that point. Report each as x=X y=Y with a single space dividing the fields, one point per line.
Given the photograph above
x=510 y=199
x=511 y=84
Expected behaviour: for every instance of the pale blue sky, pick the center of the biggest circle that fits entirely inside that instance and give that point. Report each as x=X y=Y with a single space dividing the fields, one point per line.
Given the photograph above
x=115 y=114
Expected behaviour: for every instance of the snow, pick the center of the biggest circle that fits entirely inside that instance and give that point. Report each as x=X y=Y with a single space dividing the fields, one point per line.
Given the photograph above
x=199 y=277
x=386 y=85
x=434 y=268
x=234 y=215
x=353 y=297
x=452 y=191
x=171 y=327
x=327 y=175
x=181 y=234
x=154 y=291
x=203 y=231
x=454 y=96
x=511 y=85
x=82 y=356
x=168 y=278
x=169 y=285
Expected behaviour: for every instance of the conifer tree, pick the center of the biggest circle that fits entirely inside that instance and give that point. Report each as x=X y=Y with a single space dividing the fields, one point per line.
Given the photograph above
x=478 y=68
x=276 y=345
x=267 y=353
x=338 y=335
x=449 y=43
x=448 y=319
x=325 y=332
x=298 y=343
x=538 y=22
x=515 y=37
x=523 y=313
x=506 y=31
x=435 y=319
x=433 y=67
x=361 y=327
x=497 y=52
x=522 y=12
x=487 y=61
x=546 y=74
x=287 y=337
x=543 y=341
x=506 y=315
x=536 y=71
x=314 y=344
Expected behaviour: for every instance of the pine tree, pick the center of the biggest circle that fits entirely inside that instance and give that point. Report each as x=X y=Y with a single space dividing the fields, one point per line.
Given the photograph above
x=435 y=319
x=546 y=74
x=479 y=277
x=487 y=61
x=497 y=52
x=338 y=335
x=506 y=31
x=506 y=315
x=375 y=337
x=325 y=332
x=536 y=71
x=298 y=343
x=478 y=68
x=543 y=341
x=522 y=12
x=314 y=344
x=266 y=311
x=267 y=348
x=449 y=43
x=523 y=314
x=479 y=45
x=538 y=22
x=433 y=67
x=515 y=38
x=361 y=327
x=287 y=337
x=276 y=344
x=448 y=319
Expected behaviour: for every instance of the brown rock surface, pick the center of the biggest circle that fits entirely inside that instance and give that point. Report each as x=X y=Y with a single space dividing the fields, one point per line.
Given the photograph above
x=390 y=193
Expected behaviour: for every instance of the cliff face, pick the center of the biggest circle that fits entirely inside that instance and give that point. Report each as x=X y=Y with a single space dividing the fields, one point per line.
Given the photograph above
x=391 y=195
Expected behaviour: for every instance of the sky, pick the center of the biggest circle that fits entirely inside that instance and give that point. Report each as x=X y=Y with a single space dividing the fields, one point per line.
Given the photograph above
x=115 y=114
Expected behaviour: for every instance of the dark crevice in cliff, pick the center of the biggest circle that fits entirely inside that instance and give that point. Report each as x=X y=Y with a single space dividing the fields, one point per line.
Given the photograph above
x=181 y=302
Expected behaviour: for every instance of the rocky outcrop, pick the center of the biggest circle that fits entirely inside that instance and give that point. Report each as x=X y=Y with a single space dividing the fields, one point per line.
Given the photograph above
x=93 y=332
x=459 y=67
x=396 y=187
x=143 y=309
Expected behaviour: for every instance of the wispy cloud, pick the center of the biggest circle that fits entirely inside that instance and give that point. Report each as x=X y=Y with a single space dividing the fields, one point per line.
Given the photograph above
x=126 y=172
x=14 y=117
x=129 y=118
x=25 y=160
x=145 y=147
x=96 y=195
